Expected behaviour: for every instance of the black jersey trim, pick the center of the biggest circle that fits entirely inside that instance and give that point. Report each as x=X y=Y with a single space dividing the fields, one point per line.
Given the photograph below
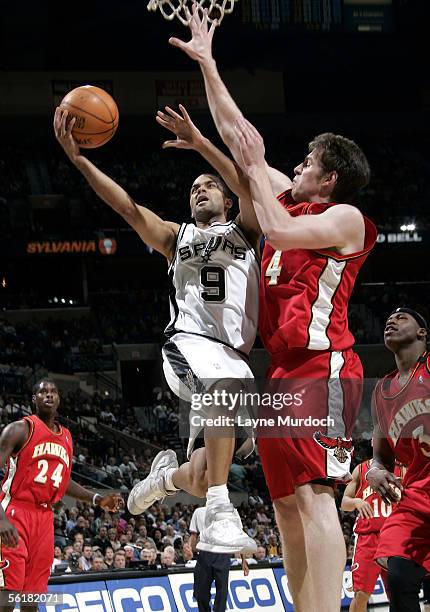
x=179 y=237
x=182 y=369
x=168 y=334
x=170 y=329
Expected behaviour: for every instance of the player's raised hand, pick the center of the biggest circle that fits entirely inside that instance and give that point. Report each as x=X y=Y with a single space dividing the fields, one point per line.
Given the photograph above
x=364 y=509
x=250 y=145
x=112 y=503
x=199 y=48
x=188 y=136
x=8 y=534
x=385 y=484
x=63 y=133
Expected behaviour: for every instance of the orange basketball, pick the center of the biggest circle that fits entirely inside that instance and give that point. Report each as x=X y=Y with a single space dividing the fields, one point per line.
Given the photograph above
x=96 y=115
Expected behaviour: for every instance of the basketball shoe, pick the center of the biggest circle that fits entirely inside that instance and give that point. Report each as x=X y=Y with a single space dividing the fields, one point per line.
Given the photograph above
x=223 y=532
x=153 y=488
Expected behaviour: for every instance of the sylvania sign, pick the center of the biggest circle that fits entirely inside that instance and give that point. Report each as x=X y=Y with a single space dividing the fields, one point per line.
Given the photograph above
x=105 y=246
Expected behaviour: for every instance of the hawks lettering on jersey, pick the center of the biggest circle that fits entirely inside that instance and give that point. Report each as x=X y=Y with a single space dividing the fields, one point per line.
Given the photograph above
x=40 y=472
x=214 y=280
x=304 y=293
x=403 y=414
x=381 y=510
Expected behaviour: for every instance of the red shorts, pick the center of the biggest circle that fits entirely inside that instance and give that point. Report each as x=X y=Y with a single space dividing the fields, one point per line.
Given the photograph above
x=406 y=533
x=364 y=570
x=330 y=384
x=26 y=568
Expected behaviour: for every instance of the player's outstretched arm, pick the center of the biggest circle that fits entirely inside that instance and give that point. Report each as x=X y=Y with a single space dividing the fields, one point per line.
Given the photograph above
x=112 y=503
x=339 y=227
x=11 y=440
x=188 y=136
x=158 y=234
x=223 y=108
x=350 y=502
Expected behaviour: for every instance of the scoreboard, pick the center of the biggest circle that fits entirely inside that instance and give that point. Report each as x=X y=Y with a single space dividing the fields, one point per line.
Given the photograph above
x=318 y=15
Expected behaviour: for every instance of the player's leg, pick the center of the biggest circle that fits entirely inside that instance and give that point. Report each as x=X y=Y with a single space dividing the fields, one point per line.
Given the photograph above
x=221 y=569
x=203 y=577
x=223 y=532
x=405 y=578
x=359 y=603
x=322 y=532
x=192 y=475
x=292 y=535
x=13 y=561
x=364 y=570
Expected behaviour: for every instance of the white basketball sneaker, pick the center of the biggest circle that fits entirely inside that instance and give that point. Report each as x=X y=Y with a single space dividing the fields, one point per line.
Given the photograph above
x=223 y=532
x=153 y=488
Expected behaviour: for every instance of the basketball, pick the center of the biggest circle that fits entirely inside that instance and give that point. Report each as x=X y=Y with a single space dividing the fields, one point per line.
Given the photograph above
x=96 y=115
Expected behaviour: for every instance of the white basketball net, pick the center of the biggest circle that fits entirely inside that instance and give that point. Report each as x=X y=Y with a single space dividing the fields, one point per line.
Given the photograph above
x=216 y=9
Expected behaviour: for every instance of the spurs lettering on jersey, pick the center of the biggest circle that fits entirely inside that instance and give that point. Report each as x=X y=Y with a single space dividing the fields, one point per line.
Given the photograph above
x=214 y=280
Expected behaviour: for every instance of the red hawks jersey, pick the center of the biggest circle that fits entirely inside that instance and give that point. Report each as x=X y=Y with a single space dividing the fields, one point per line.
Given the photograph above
x=40 y=472
x=304 y=294
x=403 y=414
x=381 y=510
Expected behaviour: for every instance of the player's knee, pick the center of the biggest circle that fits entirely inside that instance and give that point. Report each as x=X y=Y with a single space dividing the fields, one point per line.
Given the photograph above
x=287 y=516
x=315 y=502
x=361 y=597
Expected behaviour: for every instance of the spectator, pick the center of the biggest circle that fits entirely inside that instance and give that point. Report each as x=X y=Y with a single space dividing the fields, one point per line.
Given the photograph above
x=102 y=540
x=109 y=557
x=98 y=563
x=168 y=557
x=58 y=557
x=119 y=561
x=85 y=562
x=261 y=554
x=149 y=555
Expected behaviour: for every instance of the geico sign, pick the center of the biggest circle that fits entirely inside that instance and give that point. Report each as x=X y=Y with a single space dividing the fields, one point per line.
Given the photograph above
x=242 y=595
x=86 y=601
x=400 y=237
x=151 y=598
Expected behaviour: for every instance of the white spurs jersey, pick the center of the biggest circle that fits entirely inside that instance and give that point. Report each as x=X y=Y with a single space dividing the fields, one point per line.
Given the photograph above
x=214 y=283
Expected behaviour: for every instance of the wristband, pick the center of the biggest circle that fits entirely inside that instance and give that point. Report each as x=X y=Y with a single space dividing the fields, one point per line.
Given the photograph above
x=94 y=498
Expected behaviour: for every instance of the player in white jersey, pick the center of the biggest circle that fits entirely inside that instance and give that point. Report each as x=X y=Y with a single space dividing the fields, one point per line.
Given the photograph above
x=213 y=266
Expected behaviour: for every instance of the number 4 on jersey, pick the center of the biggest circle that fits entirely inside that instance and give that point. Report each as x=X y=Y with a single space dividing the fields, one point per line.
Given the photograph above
x=274 y=268
x=56 y=474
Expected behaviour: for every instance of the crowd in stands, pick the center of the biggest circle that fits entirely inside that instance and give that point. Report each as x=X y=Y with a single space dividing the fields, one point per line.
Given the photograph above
x=161 y=179
x=119 y=317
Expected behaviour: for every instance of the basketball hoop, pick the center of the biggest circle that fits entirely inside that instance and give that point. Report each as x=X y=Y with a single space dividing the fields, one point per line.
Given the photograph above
x=216 y=9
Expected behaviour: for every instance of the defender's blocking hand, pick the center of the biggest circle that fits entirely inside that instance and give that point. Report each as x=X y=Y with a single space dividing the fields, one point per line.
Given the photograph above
x=199 y=48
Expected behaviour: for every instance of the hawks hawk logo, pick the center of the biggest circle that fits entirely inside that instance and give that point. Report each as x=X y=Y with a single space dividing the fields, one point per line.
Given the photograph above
x=4 y=564
x=340 y=447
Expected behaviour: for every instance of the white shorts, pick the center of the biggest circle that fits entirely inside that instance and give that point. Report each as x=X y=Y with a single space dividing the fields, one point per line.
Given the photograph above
x=193 y=364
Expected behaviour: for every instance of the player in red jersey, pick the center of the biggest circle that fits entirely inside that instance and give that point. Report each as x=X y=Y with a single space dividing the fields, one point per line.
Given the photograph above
x=372 y=512
x=401 y=403
x=38 y=452
x=316 y=242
